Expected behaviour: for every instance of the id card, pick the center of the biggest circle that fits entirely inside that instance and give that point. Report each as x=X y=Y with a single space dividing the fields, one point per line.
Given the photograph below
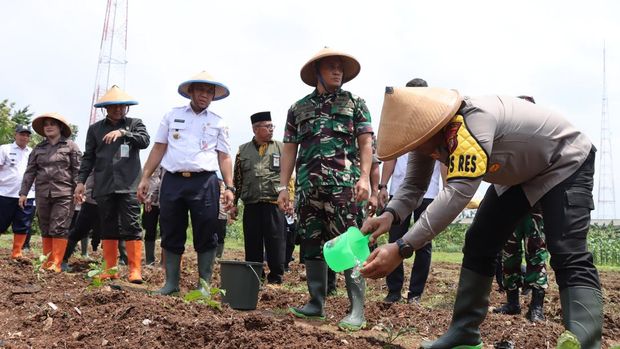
x=275 y=161
x=124 y=150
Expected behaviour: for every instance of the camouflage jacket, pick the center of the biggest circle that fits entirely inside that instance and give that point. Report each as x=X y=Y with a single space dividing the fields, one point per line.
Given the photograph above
x=326 y=128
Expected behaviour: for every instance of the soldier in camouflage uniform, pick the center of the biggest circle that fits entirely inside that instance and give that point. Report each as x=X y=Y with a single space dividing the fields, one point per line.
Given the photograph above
x=332 y=129
x=529 y=233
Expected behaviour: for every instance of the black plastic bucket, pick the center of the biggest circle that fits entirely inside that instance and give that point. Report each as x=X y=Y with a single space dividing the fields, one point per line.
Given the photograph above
x=241 y=280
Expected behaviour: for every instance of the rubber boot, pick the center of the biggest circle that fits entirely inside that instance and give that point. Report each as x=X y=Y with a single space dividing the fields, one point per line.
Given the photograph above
x=173 y=273
x=205 y=267
x=512 y=307
x=332 y=278
x=68 y=252
x=316 y=277
x=149 y=252
x=46 y=243
x=84 y=246
x=59 y=245
x=220 y=250
x=110 y=257
x=582 y=309
x=356 y=289
x=122 y=252
x=134 y=258
x=535 y=312
x=18 y=243
x=470 y=309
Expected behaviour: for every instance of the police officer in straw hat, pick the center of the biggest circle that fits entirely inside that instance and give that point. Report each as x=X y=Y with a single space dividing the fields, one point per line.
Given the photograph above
x=191 y=144
x=530 y=154
x=113 y=151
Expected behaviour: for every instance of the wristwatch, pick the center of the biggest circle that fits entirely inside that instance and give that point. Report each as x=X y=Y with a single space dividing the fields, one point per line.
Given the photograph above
x=231 y=188
x=281 y=187
x=404 y=249
x=122 y=131
x=382 y=186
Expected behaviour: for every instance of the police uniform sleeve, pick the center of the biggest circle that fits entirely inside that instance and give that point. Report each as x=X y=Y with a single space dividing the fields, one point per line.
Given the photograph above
x=414 y=185
x=458 y=191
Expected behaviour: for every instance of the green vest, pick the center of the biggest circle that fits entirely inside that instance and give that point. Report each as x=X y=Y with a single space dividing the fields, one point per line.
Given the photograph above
x=260 y=175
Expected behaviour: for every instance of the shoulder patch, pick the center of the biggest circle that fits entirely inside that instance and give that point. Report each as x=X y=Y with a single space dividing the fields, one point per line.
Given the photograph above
x=467 y=158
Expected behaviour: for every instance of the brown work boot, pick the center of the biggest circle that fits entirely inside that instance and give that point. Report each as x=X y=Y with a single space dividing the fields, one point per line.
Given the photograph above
x=18 y=243
x=58 y=251
x=110 y=256
x=47 y=251
x=134 y=257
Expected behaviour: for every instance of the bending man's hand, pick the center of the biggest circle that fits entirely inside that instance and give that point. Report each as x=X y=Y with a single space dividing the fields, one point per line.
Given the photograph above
x=382 y=261
x=377 y=226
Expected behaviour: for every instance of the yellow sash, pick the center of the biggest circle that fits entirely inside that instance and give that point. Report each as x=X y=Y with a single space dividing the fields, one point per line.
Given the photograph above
x=467 y=158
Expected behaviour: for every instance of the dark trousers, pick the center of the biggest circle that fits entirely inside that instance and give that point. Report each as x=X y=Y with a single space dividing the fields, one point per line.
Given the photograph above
x=119 y=214
x=86 y=219
x=263 y=230
x=198 y=194
x=421 y=261
x=291 y=231
x=221 y=230
x=149 y=223
x=55 y=215
x=12 y=215
x=566 y=214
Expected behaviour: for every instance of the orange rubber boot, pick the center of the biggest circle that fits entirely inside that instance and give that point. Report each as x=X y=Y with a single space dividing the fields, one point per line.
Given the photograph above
x=110 y=256
x=134 y=259
x=18 y=243
x=59 y=245
x=47 y=251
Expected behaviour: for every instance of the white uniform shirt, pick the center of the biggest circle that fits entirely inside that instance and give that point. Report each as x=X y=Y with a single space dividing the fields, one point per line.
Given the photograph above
x=400 y=168
x=13 y=163
x=193 y=140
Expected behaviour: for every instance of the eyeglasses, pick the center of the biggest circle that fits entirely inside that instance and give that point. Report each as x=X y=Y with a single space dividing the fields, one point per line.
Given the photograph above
x=269 y=127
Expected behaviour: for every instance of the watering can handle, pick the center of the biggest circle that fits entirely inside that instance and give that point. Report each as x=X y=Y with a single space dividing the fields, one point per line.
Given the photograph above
x=254 y=272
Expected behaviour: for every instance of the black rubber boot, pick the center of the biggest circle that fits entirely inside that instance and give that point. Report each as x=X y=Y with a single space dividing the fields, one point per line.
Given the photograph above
x=316 y=276
x=84 y=246
x=122 y=252
x=356 y=289
x=512 y=307
x=332 y=278
x=149 y=252
x=173 y=274
x=535 y=312
x=582 y=309
x=470 y=309
x=220 y=250
x=205 y=266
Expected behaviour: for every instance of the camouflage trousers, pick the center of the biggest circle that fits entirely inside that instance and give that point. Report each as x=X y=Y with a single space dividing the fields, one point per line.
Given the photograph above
x=324 y=213
x=529 y=232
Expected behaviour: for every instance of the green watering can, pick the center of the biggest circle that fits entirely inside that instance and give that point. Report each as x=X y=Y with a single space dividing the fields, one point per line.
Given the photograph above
x=347 y=250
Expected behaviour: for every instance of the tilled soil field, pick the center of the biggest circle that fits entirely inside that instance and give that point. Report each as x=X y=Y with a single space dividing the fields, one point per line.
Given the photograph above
x=47 y=310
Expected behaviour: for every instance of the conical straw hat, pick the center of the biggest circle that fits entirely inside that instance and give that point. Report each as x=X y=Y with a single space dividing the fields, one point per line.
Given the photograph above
x=412 y=115
x=221 y=91
x=350 y=64
x=65 y=127
x=115 y=96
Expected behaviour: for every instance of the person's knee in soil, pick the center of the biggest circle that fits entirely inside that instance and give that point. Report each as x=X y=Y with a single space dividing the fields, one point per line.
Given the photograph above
x=563 y=186
x=190 y=169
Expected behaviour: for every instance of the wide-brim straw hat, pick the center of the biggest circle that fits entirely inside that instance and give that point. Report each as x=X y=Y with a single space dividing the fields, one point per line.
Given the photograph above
x=65 y=127
x=221 y=91
x=350 y=65
x=412 y=115
x=115 y=96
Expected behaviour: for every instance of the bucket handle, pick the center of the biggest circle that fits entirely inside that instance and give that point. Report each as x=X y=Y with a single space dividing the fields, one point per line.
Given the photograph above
x=257 y=277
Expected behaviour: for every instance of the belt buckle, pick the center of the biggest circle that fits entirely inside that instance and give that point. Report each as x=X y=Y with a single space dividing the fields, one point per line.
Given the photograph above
x=186 y=174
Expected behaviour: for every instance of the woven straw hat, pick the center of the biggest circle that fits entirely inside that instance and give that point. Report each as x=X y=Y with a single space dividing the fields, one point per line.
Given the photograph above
x=350 y=64
x=115 y=96
x=221 y=91
x=411 y=116
x=65 y=127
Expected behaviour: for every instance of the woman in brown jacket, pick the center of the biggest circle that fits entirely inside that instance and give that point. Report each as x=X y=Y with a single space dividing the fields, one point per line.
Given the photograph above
x=53 y=167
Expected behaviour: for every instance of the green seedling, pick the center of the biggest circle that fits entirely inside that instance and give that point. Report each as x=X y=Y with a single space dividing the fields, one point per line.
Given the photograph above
x=38 y=264
x=205 y=295
x=392 y=333
x=96 y=270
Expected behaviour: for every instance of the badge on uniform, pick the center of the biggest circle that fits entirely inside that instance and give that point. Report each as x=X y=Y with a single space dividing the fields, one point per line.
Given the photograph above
x=124 y=150
x=175 y=134
x=275 y=161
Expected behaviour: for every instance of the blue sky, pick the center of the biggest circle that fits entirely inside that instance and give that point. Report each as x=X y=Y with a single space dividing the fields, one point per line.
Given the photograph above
x=549 y=49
